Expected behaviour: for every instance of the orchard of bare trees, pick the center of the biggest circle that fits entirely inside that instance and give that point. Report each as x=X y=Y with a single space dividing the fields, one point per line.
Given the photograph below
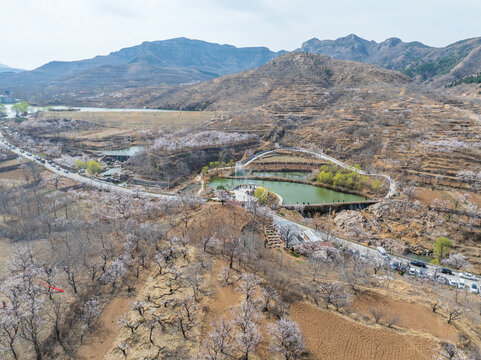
x=75 y=251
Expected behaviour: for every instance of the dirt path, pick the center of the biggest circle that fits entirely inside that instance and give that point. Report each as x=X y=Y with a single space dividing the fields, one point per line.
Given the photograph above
x=98 y=344
x=221 y=303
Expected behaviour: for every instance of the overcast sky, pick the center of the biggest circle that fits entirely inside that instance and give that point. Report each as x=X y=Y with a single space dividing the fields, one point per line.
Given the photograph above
x=34 y=32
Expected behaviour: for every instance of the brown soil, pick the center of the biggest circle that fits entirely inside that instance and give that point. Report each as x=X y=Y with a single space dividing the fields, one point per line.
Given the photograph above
x=98 y=344
x=225 y=298
x=330 y=336
x=138 y=120
x=428 y=196
x=412 y=316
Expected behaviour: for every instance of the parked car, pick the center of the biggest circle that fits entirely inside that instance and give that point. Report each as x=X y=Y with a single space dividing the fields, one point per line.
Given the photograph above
x=446 y=271
x=418 y=263
x=28 y=154
x=65 y=171
x=422 y=273
x=381 y=251
x=413 y=272
x=395 y=265
x=453 y=283
x=468 y=276
x=22 y=151
x=474 y=288
x=442 y=279
x=461 y=284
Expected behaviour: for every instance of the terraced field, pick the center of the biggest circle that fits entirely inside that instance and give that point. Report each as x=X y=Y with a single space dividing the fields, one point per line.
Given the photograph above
x=330 y=336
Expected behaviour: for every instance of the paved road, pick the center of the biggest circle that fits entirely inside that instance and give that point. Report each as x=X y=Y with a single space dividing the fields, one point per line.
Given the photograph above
x=79 y=178
x=365 y=250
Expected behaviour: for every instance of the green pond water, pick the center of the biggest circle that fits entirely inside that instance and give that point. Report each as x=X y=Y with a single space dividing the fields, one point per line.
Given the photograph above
x=291 y=193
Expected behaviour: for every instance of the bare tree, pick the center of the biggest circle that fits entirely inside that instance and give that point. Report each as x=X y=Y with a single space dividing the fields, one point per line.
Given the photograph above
x=352 y=271
x=327 y=291
x=392 y=319
x=9 y=330
x=160 y=261
x=90 y=312
x=450 y=352
x=376 y=261
x=315 y=266
x=193 y=279
x=341 y=299
x=219 y=344
x=286 y=339
x=377 y=314
x=454 y=313
x=186 y=315
x=245 y=319
x=232 y=249
x=249 y=285
x=226 y=274
x=456 y=260
x=115 y=271
x=288 y=232
x=208 y=241
x=25 y=297
x=268 y=295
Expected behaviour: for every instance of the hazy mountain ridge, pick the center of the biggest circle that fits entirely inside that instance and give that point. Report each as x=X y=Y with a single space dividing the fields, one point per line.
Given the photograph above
x=173 y=62
x=185 y=61
x=6 y=68
x=419 y=61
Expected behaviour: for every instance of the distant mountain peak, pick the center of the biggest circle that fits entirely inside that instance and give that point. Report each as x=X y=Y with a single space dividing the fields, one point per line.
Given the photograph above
x=151 y=63
x=415 y=59
x=6 y=68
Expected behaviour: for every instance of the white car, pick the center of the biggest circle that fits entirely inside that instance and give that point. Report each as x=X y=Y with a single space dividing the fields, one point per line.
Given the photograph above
x=453 y=283
x=468 y=276
x=474 y=288
x=461 y=284
x=381 y=251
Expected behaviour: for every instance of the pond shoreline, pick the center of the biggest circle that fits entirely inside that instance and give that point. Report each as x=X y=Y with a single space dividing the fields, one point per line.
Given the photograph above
x=297 y=181
x=293 y=192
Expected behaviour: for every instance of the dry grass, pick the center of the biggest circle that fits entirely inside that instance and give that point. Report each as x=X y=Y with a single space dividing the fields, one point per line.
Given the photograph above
x=331 y=336
x=413 y=316
x=174 y=120
x=100 y=342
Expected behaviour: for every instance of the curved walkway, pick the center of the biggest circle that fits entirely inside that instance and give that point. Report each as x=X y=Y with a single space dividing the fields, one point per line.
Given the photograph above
x=320 y=155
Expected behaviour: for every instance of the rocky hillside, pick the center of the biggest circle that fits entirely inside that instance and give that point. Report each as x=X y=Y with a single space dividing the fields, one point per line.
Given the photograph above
x=421 y=62
x=172 y=62
x=291 y=83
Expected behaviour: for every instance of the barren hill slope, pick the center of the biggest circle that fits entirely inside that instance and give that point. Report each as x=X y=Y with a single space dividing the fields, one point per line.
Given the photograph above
x=292 y=82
